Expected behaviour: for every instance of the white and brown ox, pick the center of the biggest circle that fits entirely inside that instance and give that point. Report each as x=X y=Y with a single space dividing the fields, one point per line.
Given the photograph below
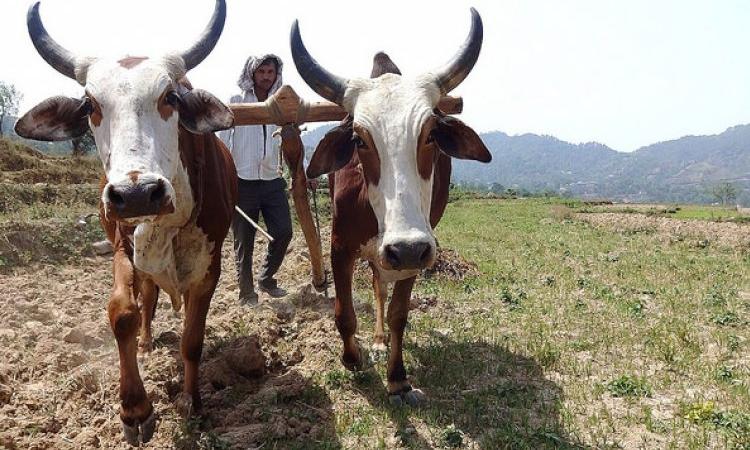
x=389 y=169
x=167 y=196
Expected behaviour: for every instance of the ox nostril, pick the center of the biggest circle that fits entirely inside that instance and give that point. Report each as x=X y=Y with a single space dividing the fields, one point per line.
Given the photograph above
x=392 y=255
x=157 y=194
x=115 y=197
x=426 y=253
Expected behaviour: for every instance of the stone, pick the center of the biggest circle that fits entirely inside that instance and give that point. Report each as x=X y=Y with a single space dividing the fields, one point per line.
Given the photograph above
x=102 y=248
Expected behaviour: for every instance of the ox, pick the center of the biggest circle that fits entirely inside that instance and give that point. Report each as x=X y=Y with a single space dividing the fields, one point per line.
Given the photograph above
x=167 y=196
x=389 y=165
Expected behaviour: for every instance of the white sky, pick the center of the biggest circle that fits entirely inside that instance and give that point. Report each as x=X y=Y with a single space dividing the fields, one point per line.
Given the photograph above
x=623 y=73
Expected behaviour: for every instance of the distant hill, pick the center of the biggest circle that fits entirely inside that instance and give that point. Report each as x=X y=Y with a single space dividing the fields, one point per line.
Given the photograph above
x=21 y=164
x=681 y=170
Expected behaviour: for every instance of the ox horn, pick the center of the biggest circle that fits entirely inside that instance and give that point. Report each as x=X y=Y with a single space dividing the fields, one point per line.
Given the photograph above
x=56 y=56
x=326 y=84
x=206 y=43
x=455 y=71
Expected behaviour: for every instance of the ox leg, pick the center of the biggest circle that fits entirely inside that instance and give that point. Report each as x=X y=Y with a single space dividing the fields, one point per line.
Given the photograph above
x=136 y=411
x=148 y=293
x=342 y=262
x=399 y=387
x=197 y=301
x=381 y=293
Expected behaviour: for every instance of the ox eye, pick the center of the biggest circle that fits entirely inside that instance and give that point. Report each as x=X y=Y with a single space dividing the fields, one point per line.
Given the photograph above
x=172 y=99
x=88 y=106
x=358 y=142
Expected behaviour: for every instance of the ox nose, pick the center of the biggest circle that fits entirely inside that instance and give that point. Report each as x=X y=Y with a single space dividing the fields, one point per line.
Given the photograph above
x=138 y=199
x=408 y=255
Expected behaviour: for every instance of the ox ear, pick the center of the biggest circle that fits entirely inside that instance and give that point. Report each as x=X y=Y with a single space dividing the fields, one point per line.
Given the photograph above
x=458 y=140
x=201 y=112
x=381 y=64
x=334 y=151
x=55 y=119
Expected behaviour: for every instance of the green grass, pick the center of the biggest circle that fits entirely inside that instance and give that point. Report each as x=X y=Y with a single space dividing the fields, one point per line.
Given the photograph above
x=561 y=318
x=629 y=386
x=704 y=212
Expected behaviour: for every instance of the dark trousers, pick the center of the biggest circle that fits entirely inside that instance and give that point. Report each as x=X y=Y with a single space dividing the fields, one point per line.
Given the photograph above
x=267 y=197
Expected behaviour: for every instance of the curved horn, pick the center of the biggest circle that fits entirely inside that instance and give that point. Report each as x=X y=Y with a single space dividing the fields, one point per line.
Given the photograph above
x=56 y=56
x=326 y=84
x=454 y=72
x=201 y=49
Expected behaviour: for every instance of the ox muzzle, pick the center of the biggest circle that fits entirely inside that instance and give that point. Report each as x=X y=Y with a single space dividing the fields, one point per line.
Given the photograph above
x=138 y=196
x=407 y=254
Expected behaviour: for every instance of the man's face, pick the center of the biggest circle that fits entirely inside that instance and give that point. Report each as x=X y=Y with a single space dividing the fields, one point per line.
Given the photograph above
x=264 y=76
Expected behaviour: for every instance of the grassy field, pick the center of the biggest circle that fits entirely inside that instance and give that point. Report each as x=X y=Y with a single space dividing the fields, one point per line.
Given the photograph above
x=685 y=212
x=572 y=337
x=565 y=336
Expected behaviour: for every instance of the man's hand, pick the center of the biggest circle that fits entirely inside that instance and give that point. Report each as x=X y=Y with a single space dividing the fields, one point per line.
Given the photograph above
x=312 y=184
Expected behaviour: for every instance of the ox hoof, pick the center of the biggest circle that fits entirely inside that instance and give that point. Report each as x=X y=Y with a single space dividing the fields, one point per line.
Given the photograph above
x=362 y=363
x=415 y=397
x=409 y=396
x=132 y=436
x=184 y=405
x=320 y=288
x=139 y=432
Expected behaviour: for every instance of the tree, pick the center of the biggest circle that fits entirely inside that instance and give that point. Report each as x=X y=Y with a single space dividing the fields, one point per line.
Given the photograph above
x=10 y=97
x=497 y=188
x=725 y=193
x=84 y=144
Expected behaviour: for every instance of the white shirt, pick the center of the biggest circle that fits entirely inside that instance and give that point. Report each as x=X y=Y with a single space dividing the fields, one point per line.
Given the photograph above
x=254 y=150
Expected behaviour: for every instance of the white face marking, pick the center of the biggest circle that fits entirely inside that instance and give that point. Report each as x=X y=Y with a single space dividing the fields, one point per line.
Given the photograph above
x=132 y=136
x=393 y=110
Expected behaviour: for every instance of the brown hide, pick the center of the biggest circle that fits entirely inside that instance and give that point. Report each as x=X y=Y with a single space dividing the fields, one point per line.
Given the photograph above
x=213 y=181
x=351 y=205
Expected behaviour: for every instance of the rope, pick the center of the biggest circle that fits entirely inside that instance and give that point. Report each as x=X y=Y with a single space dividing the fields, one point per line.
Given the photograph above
x=274 y=109
x=302 y=110
x=277 y=115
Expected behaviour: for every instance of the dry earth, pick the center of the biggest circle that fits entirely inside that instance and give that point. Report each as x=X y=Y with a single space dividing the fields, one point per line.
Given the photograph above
x=59 y=364
x=701 y=233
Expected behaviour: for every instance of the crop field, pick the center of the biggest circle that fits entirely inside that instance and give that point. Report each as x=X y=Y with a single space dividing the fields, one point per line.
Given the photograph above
x=545 y=324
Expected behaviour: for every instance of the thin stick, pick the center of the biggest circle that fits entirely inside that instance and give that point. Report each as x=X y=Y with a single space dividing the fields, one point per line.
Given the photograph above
x=252 y=222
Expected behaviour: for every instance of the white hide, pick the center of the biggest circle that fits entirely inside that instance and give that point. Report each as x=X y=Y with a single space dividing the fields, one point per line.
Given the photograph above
x=132 y=135
x=393 y=109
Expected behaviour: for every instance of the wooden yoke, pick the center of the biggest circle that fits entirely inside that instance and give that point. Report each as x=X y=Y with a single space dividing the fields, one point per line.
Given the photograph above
x=294 y=153
x=287 y=110
x=286 y=107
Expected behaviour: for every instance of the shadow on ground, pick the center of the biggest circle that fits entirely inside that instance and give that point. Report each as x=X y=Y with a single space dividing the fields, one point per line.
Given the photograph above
x=479 y=393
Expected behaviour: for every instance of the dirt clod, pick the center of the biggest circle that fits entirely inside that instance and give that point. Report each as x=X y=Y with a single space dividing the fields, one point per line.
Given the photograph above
x=450 y=265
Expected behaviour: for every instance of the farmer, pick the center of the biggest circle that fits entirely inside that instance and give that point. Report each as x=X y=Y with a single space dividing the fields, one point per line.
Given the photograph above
x=262 y=190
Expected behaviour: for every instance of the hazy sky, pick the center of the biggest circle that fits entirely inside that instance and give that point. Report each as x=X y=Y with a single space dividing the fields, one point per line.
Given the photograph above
x=623 y=73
